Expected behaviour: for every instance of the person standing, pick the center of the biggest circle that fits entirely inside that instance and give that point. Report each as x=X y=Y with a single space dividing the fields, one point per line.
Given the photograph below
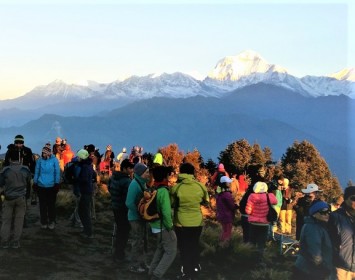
x=14 y=179
x=118 y=188
x=311 y=193
x=342 y=231
x=84 y=178
x=138 y=226
x=257 y=208
x=162 y=228
x=67 y=154
x=186 y=197
x=46 y=184
x=315 y=259
x=225 y=210
x=286 y=207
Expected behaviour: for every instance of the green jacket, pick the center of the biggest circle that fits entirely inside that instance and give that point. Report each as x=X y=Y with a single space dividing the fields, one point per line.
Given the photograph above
x=164 y=210
x=186 y=197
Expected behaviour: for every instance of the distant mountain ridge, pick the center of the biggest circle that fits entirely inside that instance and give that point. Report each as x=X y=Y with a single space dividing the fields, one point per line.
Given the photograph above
x=230 y=73
x=262 y=113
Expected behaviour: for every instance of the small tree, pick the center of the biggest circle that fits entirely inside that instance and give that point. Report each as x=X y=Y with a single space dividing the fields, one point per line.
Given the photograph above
x=302 y=164
x=172 y=155
x=236 y=156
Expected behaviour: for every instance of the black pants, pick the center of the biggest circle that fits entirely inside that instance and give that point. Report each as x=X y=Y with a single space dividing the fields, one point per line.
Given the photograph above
x=47 y=198
x=245 y=228
x=258 y=236
x=84 y=210
x=188 y=243
x=122 y=231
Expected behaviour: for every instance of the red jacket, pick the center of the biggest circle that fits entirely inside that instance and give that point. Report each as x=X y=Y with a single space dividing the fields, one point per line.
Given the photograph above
x=257 y=207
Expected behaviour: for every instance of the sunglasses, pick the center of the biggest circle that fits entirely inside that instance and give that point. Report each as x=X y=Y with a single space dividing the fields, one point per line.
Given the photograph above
x=324 y=212
x=352 y=198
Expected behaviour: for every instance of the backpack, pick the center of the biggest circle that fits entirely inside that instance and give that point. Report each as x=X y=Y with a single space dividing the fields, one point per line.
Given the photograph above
x=147 y=206
x=69 y=173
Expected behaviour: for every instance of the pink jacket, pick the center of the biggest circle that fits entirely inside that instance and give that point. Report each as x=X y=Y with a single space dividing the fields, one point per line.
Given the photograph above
x=257 y=207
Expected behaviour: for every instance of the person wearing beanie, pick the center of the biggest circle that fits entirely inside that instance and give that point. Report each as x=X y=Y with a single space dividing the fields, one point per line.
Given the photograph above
x=106 y=164
x=257 y=208
x=315 y=260
x=225 y=210
x=122 y=155
x=85 y=177
x=46 y=183
x=141 y=176
x=187 y=196
x=216 y=177
x=19 y=152
x=342 y=231
x=14 y=180
x=118 y=188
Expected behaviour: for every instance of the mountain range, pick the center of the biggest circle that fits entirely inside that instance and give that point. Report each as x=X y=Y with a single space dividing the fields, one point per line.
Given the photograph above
x=242 y=97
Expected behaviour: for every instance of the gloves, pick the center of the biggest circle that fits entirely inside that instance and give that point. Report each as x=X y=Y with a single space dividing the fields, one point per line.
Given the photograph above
x=35 y=187
x=56 y=187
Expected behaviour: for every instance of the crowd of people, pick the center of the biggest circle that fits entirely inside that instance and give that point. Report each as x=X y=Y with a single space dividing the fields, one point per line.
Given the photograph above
x=325 y=231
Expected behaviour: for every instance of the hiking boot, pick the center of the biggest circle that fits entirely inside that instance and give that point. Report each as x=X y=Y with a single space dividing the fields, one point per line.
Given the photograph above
x=5 y=245
x=137 y=269
x=51 y=226
x=15 y=245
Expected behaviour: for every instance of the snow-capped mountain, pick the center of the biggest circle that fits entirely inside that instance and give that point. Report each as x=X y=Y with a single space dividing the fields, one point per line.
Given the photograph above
x=230 y=73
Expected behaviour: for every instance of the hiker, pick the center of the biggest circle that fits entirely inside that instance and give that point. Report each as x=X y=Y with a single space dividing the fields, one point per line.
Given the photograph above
x=122 y=155
x=95 y=157
x=225 y=210
x=67 y=154
x=46 y=184
x=138 y=262
x=215 y=178
x=315 y=259
x=15 y=179
x=85 y=177
x=342 y=231
x=158 y=158
x=257 y=208
x=19 y=152
x=311 y=193
x=118 y=188
x=162 y=228
x=256 y=173
x=186 y=197
x=57 y=150
x=288 y=198
x=336 y=203
x=106 y=164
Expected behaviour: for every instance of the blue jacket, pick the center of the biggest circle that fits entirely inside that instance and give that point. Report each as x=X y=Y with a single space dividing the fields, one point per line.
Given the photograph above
x=342 y=232
x=47 y=172
x=135 y=193
x=315 y=258
x=84 y=176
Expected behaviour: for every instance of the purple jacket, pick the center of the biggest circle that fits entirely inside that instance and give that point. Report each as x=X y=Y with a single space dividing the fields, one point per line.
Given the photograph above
x=225 y=207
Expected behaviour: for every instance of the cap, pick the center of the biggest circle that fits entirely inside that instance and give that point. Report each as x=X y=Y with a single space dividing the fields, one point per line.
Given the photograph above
x=311 y=188
x=225 y=179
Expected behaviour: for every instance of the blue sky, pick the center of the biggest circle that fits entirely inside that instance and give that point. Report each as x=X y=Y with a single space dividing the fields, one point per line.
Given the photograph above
x=74 y=41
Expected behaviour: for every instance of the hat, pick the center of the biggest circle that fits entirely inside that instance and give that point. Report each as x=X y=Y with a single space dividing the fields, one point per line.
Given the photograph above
x=46 y=151
x=140 y=168
x=349 y=191
x=220 y=167
x=225 y=179
x=317 y=206
x=19 y=139
x=90 y=148
x=83 y=154
x=260 y=187
x=108 y=147
x=311 y=188
x=126 y=164
x=58 y=140
x=158 y=158
x=124 y=150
